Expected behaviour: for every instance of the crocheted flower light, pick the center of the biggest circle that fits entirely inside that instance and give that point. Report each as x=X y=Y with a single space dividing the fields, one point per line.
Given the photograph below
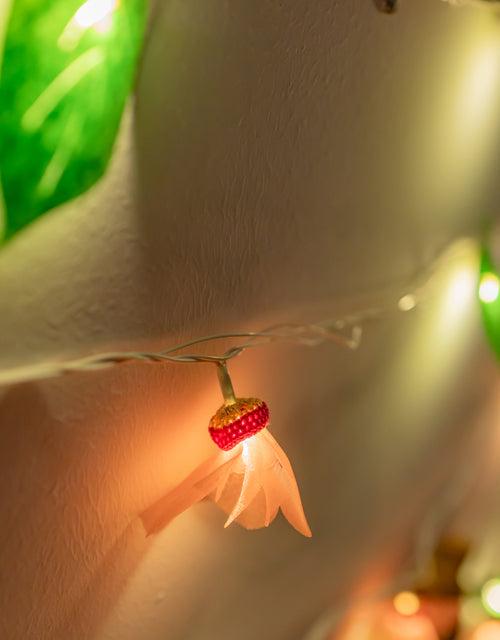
x=250 y=478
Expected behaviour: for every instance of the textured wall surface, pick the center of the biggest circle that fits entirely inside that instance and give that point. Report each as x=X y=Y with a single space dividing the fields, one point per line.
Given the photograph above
x=282 y=160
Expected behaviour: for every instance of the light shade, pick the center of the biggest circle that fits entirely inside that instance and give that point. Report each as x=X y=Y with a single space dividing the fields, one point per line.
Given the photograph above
x=67 y=69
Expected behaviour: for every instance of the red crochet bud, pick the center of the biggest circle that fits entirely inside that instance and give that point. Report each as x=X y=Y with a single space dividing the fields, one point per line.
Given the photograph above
x=235 y=422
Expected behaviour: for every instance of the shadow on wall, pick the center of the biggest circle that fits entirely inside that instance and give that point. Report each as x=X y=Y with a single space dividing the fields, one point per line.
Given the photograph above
x=80 y=457
x=47 y=515
x=105 y=585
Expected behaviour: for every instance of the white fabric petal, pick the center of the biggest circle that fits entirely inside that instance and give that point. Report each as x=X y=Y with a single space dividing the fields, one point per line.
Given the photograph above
x=250 y=483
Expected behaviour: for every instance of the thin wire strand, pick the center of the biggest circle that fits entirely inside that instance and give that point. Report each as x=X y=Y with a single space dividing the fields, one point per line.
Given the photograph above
x=346 y=332
x=308 y=335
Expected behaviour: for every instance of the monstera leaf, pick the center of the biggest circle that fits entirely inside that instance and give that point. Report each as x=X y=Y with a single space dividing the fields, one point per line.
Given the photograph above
x=67 y=68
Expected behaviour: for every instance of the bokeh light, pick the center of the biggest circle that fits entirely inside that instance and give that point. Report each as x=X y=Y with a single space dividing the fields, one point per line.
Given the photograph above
x=490 y=596
x=407 y=302
x=489 y=287
x=406 y=603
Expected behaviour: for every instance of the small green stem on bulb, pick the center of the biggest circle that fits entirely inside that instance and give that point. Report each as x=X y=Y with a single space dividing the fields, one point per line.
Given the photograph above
x=225 y=384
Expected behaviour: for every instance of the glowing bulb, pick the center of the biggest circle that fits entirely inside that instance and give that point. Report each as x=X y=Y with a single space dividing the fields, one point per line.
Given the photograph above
x=245 y=454
x=94 y=11
x=489 y=287
x=406 y=603
x=490 y=596
x=407 y=302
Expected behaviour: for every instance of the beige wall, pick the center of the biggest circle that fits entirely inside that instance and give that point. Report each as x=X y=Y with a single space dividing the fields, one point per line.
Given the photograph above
x=283 y=157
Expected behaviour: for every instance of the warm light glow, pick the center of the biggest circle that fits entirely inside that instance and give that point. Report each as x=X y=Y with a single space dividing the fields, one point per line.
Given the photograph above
x=406 y=603
x=250 y=482
x=489 y=287
x=458 y=124
x=460 y=289
x=94 y=11
x=459 y=293
x=490 y=595
x=487 y=631
x=436 y=346
x=401 y=627
x=245 y=454
x=482 y=82
x=407 y=302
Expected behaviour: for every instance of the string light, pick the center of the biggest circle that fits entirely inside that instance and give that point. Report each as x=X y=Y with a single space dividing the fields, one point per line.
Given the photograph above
x=251 y=477
x=490 y=597
x=249 y=466
x=250 y=462
x=308 y=335
x=345 y=331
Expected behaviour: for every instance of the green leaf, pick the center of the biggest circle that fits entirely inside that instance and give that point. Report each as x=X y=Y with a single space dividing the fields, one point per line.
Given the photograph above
x=67 y=69
x=489 y=295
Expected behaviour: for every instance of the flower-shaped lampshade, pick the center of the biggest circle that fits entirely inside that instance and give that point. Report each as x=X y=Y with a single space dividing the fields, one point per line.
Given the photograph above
x=250 y=478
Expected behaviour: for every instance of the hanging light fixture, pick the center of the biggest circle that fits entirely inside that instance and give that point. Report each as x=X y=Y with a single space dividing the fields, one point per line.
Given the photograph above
x=250 y=478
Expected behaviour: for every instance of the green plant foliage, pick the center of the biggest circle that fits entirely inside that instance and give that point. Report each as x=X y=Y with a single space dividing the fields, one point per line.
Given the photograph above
x=67 y=69
x=489 y=296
